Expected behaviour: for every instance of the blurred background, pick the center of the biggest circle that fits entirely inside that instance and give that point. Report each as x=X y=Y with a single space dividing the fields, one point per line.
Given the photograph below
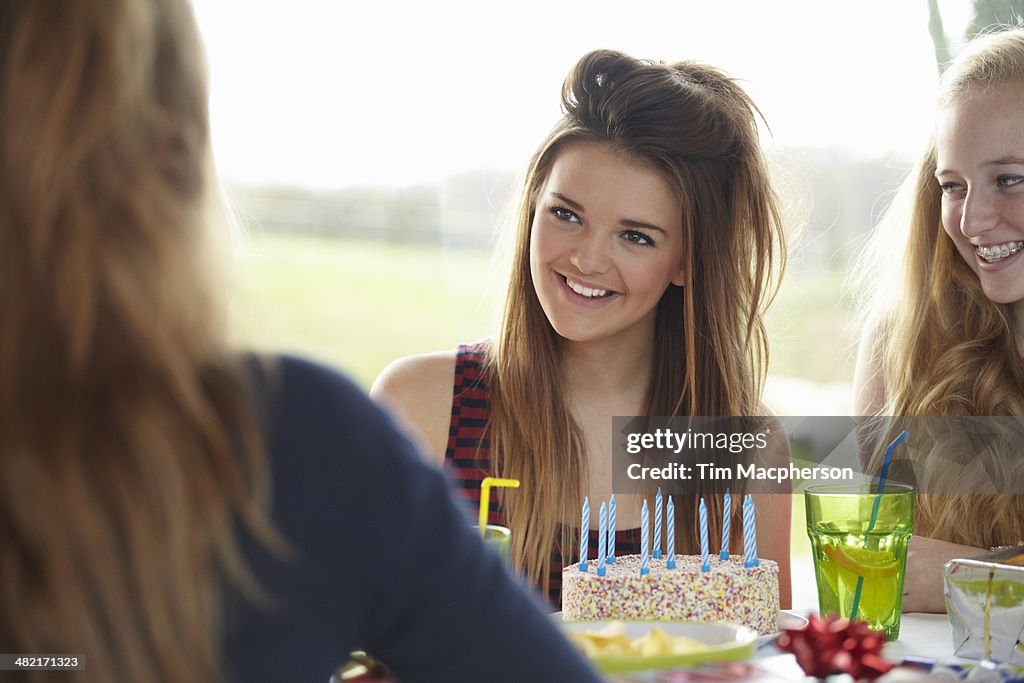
x=372 y=151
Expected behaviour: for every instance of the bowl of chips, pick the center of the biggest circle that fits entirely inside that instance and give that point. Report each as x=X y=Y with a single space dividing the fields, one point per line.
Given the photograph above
x=615 y=646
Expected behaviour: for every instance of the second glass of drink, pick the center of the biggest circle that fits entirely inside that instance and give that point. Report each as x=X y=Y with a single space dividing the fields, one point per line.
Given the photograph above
x=859 y=542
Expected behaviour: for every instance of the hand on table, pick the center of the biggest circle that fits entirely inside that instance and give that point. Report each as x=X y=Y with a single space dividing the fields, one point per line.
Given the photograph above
x=922 y=587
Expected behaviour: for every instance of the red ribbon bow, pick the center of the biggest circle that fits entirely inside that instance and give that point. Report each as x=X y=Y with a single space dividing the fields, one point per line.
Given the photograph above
x=835 y=645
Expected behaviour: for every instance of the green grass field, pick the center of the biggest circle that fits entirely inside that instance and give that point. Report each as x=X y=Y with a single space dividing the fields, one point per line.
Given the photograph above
x=360 y=305
x=357 y=305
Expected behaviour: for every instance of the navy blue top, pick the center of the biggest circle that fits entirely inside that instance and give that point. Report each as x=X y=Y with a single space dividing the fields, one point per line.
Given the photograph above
x=383 y=561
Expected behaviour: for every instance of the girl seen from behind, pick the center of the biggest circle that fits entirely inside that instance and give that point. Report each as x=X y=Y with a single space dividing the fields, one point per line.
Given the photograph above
x=171 y=509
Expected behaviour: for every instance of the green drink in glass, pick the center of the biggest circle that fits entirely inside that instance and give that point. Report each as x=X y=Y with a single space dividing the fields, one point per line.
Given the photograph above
x=860 y=567
x=499 y=538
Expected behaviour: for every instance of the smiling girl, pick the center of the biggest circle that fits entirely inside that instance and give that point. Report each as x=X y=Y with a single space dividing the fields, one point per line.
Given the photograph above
x=647 y=243
x=945 y=331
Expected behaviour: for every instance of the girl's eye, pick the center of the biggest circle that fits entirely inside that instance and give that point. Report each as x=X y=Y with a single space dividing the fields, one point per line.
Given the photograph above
x=564 y=214
x=1009 y=180
x=951 y=188
x=637 y=237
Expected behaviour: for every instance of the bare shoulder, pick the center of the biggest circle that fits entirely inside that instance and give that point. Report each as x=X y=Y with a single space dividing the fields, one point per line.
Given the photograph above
x=418 y=392
x=416 y=374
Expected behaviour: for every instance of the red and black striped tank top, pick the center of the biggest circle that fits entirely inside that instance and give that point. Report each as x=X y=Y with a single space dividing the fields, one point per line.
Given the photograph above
x=468 y=458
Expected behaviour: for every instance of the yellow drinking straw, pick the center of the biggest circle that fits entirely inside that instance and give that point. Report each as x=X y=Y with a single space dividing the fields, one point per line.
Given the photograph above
x=485 y=498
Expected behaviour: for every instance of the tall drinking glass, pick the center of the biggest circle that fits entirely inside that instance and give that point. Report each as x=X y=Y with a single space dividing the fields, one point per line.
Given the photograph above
x=497 y=537
x=859 y=564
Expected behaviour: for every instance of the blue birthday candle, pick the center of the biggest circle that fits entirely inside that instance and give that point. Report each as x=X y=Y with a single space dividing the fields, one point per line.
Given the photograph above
x=705 y=566
x=611 y=531
x=749 y=533
x=657 y=526
x=726 y=523
x=601 y=535
x=671 y=542
x=584 y=534
x=644 y=540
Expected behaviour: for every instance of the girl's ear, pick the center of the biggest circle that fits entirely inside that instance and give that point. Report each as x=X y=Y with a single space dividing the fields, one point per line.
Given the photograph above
x=679 y=279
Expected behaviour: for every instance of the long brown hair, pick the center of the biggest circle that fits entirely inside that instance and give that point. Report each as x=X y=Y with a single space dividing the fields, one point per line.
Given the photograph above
x=696 y=126
x=942 y=347
x=122 y=417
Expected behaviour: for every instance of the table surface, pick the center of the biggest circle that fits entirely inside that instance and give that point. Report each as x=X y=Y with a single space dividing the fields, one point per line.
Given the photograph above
x=922 y=636
x=925 y=636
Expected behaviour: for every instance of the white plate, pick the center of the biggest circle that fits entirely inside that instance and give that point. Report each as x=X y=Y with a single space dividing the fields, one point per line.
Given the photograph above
x=787 y=619
x=725 y=642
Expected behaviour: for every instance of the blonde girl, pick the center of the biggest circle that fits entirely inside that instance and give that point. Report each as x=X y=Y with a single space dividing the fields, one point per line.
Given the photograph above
x=945 y=326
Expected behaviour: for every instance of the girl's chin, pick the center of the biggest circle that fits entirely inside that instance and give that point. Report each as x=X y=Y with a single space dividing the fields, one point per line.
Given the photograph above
x=1014 y=299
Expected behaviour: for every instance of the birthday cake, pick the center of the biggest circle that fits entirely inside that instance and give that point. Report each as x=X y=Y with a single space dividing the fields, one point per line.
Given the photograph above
x=729 y=592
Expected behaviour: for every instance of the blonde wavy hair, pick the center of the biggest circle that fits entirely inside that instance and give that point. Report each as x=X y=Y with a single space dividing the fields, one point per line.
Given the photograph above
x=128 y=448
x=696 y=126
x=941 y=346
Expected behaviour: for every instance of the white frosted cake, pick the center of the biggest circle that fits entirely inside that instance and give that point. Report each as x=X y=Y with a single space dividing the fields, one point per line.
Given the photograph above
x=729 y=592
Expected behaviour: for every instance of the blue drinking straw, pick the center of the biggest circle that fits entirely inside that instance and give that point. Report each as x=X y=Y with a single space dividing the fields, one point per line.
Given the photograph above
x=874 y=511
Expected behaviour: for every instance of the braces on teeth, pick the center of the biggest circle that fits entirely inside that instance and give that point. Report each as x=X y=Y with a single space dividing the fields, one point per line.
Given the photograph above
x=999 y=253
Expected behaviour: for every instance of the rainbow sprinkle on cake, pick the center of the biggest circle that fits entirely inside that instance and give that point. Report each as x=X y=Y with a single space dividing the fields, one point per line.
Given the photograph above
x=729 y=592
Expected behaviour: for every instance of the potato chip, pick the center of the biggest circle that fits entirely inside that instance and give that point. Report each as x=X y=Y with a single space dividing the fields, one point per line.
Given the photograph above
x=654 y=643
x=611 y=641
x=611 y=630
x=681 y=645
x=584 y=644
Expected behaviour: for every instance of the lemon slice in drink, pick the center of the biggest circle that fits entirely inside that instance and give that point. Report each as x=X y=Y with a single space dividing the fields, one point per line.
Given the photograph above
x=864 y=562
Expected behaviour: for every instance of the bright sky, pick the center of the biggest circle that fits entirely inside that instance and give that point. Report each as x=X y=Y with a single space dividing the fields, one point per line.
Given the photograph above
x=329 y=93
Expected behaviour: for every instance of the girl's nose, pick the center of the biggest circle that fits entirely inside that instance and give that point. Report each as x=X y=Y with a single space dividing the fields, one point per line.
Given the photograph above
x=978 y=215
x=591 y=254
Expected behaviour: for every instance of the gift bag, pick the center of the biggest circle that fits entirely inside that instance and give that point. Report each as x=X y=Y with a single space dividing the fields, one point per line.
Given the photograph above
x=985 y=604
